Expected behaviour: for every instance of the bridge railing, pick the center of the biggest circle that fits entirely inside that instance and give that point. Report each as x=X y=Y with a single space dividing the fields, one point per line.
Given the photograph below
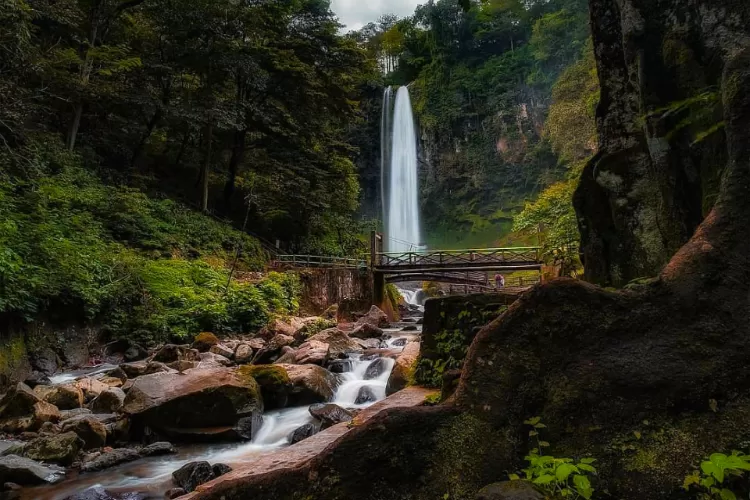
x=300 y=261
x=460 y=257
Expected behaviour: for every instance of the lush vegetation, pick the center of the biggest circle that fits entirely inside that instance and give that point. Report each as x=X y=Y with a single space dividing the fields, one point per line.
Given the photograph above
x=482 y=75
x=142 y=142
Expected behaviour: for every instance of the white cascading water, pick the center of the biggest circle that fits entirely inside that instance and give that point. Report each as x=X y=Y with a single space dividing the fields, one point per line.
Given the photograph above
x=402 y=212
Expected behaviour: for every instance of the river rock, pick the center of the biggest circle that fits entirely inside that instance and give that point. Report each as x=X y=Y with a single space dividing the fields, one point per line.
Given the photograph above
x=311 y=352
x=215 y=397
x=509 y=490
x=280 y=327
x=37 y=378
x=310 y=384
x=340 y=366
x=21 y=410
x=403 y=369
x=181 y=365
x=275 y=384
x=135 y=353
x=288 y=356
x=330 y=414
x=301 y=433
x=191 y=475
x=91 y=387
x=204 y=341
x=211 y=360
x=376 y=368
x=19 y=401
x=367 y=344
x=374 y=317
x=45 y=361
x=109 y=401
x=170 y=353
x=400 y=342
x=222 y=350
x=65 y=397
x=158 y=448
x=110 y=459
x=365 y=395
x=338 y=342
x=220 y=469
x=60 y=449
x=272 y=349
x=174 y=493
x=68 y=414
x=27 y=472
x=243 y=354
x=366 y=331
x=92 y=432
x=112 y=381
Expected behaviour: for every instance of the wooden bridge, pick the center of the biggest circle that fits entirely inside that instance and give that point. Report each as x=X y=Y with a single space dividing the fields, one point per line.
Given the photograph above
x=467 y=268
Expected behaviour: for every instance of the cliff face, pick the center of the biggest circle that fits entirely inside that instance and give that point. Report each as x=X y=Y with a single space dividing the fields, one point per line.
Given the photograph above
x=662 y=142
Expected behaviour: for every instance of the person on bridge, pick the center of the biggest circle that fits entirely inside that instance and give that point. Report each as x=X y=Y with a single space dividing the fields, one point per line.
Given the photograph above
x=499 y=281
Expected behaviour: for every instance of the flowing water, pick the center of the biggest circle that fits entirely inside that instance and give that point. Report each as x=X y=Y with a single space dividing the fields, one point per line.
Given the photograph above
x=152 y=476
x=402 y=211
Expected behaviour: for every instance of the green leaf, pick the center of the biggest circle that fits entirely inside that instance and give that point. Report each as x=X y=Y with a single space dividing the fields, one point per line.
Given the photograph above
x=692 y=479
x=637 y=434
x=532 y=421
x=564 y=470
x=588 y=460
x=727 y=494
x=533 y=433
x=583 y=486
x=711 y=469
x=587 y=468
x=514 y=477
x=544 y=444
x=544 y=479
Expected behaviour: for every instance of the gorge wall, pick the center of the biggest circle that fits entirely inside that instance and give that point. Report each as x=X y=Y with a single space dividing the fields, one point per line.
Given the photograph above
x=662 y=137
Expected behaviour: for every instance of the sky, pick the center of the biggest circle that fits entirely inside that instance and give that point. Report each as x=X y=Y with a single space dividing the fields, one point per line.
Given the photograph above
x=356 y=13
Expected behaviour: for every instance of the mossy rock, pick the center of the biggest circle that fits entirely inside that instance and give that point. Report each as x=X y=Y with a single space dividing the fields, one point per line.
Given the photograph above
x=274 y=383
x=204 y=341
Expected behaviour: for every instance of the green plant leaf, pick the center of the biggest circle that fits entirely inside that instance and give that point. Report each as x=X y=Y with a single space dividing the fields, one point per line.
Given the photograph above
x=583 y=486
x=587 y=468
x=727 y=494
x=711 y=469
x=514 y=477
x=544 y=479
x=564 y=470
x=543 y=444
x=588 y=460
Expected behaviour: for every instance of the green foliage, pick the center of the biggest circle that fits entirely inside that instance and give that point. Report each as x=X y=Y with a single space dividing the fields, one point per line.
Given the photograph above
x=557 y=477
x=716 y=475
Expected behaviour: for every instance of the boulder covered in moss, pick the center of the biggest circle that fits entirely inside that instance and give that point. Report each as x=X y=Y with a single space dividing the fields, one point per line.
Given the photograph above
x=59 y=449
x=310 y=384
x=204 y=341
x=217 y=397
x=92 y=432
x=275 y=384
x=403 y=370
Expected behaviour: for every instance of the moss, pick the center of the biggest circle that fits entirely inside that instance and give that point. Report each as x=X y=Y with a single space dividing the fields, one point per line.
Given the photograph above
x=204 y=341
x=266 y=375
x=13 y=356
x=318 y=326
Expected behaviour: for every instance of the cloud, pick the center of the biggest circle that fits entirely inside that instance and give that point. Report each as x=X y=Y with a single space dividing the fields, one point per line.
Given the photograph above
x=356 y=13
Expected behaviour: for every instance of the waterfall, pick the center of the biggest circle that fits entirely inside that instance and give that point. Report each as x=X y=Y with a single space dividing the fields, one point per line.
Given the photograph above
x=385 y=147
x=402 y=210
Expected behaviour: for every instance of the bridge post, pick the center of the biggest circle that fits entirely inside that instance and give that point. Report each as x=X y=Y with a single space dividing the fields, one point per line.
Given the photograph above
x=378 y=279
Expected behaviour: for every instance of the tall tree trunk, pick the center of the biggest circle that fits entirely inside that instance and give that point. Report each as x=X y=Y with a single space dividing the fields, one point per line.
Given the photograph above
x=207 y=163
x=238 y=154
x=183 y=145
x=85 y=74
x=74 y=126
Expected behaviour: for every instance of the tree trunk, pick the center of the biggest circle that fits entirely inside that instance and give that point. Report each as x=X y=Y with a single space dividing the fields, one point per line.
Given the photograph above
x=74 y=126
x=238 y=155
x=183 y=145
x=207 y=164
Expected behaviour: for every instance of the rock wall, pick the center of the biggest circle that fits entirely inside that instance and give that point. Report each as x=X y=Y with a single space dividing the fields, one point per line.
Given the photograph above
x=322 y=288
x=450 y=325
x=43 y=347
x=656 y=176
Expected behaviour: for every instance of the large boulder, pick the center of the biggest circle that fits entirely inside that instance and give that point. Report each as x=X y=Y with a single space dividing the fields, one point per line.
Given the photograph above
x=312 y=352
x=45 y=361
x=109 y=401
x=91 y=387
x=330 y=414
x=275 y=384
x=310 y=384
x=215 y=397
x=366 y=331
x=21 y=410
x=338 y=342
x=65 y=397
x=402 y=373
x=27 y=472
x=204 y=341
x=377 y=368
x=280 y=327
x=92 y=432
x=193 y=474
x=374 y=317
x=60 y=449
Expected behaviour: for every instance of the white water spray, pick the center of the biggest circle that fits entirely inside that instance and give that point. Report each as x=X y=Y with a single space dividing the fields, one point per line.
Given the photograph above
x=402 y=212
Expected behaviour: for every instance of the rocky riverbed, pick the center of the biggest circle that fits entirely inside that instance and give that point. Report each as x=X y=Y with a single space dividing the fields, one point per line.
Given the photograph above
x=156 y=423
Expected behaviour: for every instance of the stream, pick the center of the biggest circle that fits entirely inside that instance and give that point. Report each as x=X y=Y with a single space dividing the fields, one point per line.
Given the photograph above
x=152 y=476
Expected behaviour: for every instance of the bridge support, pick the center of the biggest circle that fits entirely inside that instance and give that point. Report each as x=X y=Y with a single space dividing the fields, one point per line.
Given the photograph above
x=378 y=279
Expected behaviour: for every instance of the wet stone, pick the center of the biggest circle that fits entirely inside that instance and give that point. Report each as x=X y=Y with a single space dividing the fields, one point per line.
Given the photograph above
x=340 y=366
x=376 y=369
x=301 y=433
x=191 y=475
x=365 y=395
